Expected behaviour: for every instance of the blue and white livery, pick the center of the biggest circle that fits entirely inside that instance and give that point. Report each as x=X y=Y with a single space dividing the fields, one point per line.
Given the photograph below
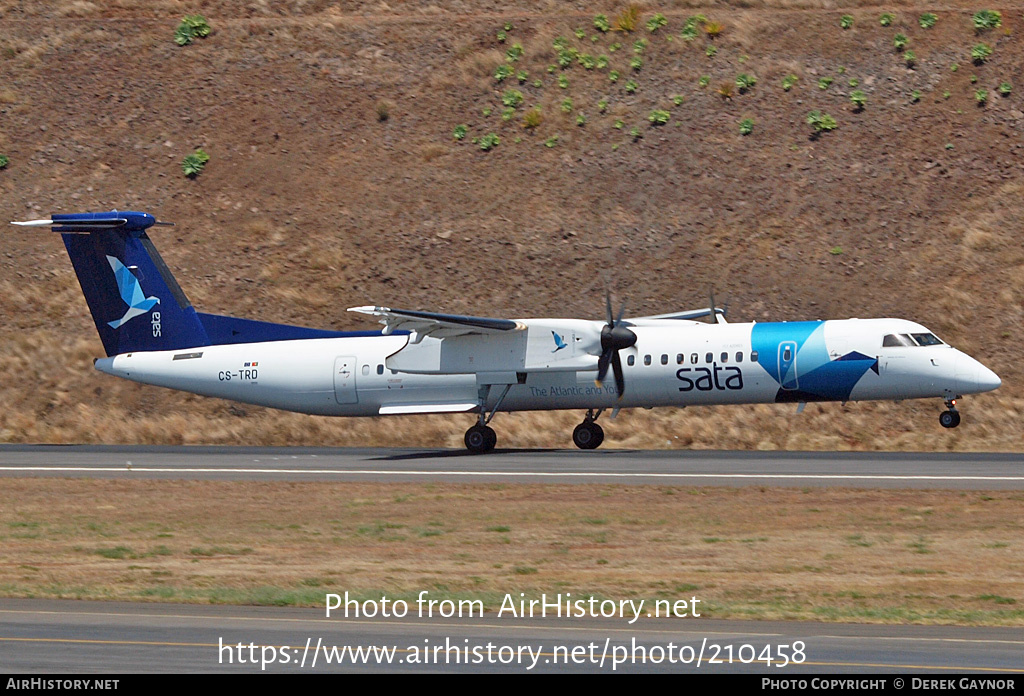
x=424 y=362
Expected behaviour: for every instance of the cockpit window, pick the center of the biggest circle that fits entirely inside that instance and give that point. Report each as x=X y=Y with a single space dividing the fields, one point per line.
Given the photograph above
x=892 y=340
x=927 y=339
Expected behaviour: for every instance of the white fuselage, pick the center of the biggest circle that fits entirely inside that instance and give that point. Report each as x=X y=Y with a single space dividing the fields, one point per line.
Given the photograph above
x=673 y=363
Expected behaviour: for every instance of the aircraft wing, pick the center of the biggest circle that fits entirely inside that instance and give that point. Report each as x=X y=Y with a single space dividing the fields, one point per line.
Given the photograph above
x=422 y=324
x=689 y=315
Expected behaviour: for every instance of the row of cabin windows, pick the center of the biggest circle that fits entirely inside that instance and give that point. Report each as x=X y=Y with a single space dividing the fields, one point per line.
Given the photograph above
x=695 y=358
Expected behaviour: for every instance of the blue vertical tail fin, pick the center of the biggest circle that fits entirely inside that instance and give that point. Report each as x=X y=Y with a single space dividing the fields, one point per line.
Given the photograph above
x=136 y=303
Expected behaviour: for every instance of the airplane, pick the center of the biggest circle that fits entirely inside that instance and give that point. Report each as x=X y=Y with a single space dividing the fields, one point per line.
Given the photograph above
x=425 y=362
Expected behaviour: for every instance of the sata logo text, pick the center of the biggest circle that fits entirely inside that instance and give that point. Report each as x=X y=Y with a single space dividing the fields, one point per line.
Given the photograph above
x=155 y=321
x=707 y=379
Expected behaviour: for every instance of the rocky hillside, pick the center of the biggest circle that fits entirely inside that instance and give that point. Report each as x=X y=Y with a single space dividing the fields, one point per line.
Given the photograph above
x=591 y=159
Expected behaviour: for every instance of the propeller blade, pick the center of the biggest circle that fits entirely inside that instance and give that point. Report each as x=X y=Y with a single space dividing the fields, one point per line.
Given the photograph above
x=608 y=306
x=620 y=382
x=622 y=312
x=602 y=366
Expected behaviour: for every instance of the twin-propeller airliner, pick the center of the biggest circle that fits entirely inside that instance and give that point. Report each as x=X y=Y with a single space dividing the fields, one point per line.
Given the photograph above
x=423 y=362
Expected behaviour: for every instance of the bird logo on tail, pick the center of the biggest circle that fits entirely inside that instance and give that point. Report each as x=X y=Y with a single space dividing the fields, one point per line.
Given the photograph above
x=131 y=292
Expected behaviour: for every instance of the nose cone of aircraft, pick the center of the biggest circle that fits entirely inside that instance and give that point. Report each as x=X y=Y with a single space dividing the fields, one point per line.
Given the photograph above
x=973 y=378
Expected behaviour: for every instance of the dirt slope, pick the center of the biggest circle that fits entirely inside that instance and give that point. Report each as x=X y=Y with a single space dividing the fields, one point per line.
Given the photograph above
x=311 y=203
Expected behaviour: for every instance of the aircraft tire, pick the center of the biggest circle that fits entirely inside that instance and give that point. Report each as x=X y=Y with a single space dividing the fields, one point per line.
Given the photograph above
x=949 y=419
x=588 y=435
x=480 y=439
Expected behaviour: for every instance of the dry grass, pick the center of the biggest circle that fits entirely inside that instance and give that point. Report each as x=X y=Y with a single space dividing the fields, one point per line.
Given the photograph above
x=906 y=556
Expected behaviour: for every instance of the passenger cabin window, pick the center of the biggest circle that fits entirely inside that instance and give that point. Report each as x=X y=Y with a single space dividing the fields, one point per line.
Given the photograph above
x=725 y=357
x=631 y=360
x=753 y=356
x=693 y=358
x=679 y=359
x=366 y=370
x=380 y=369
x=739 y=356
x=664 y=358
x=787 y=353
x=647 y=360
x=709 y=357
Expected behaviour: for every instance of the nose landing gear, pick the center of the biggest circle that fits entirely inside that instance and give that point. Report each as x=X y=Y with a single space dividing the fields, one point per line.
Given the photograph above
x=951 y=417
x=588 y=434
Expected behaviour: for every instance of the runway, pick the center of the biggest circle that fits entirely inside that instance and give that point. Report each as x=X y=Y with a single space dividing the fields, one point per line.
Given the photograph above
x=969 y=471
x=70 y=637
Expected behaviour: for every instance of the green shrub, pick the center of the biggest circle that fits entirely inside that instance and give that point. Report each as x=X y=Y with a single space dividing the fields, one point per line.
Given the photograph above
x=656 y=22
x=602 y=62
x=927 y=20
x=886 y=19
x=522 y=76
x=846 y=21
x=566 y=105
x=501 y=36
x=563 y=82
x=859 y=99
x=581 y=120
x=631 y=86
x=678 y=99
x=635 y=133
x=1004 y=89
x=193 y=164
x=639 y=45
x=579 y=33
x=825 y=83
x=636 y=62
x=789 y=81
x=618 y=124
x=551 y=142
x=4 y=161
x=745 y=82
x=602 y=105
x=601 y=23
x=459 y=133
x=746 y=126
x=507 y=113
x=192 y=27
x=915 y=96
x=502 y=72
x=987 y=19
x=909 y=58
x=900 y=41
x=512 y=97
x=821 y=122
x=710 y=51
x=613 y=76
x=981 y=96
x=981 y=52
x=515 y=53
x=489 y=141
x=704 y=80
x=659 y=117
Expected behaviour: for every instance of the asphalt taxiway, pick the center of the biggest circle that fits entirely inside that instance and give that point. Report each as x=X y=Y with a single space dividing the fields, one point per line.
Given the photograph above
x=72 y=637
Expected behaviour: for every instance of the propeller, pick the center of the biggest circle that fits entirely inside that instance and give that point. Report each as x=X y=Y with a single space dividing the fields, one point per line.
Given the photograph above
x=614 y=337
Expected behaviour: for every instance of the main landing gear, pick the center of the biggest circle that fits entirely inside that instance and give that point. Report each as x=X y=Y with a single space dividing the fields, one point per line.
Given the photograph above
x=481 y=438
x=951 y=417
x=588 y=434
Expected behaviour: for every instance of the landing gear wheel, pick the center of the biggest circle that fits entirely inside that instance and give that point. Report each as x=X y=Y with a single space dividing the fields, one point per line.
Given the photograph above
x=949 y=419
x=481 y=438
x=588 y=435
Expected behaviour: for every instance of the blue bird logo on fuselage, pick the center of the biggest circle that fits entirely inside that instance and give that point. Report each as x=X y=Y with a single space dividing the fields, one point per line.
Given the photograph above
x=559 y=343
